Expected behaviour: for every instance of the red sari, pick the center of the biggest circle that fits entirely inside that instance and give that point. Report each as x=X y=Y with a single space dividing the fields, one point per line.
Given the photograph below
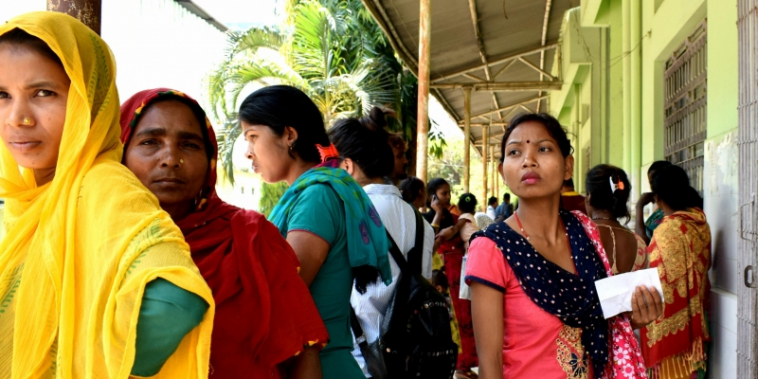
x=452 y=251
x=264 y=311
x=674 y=345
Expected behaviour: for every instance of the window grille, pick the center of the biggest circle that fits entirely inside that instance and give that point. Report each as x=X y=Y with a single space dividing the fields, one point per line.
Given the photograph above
x=685 y=100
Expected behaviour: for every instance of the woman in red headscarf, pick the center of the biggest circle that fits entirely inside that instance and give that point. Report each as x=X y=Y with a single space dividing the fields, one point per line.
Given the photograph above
x=265 y=315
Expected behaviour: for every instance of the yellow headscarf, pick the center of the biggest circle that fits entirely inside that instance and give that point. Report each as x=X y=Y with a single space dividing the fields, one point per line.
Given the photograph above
x=79 y=250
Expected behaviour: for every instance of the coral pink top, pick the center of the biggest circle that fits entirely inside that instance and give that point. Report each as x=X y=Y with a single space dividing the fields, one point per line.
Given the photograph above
x=536 y=344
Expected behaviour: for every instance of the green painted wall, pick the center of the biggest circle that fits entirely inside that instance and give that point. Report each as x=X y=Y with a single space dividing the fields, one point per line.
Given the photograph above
x=723 y=75
x=616 y=87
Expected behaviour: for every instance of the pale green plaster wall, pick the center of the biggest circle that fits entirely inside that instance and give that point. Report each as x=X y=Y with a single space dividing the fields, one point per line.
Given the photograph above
x=663 y=30
x=616 y=87
x=723 y=74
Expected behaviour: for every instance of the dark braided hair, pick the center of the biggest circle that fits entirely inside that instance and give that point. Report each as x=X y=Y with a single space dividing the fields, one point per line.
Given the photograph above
x=606 y=197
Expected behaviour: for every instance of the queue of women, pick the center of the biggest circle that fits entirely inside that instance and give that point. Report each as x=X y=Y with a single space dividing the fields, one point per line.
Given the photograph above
x=120 y=260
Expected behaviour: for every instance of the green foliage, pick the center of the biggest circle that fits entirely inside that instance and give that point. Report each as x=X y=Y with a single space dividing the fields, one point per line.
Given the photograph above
x=437 y=142
x=449 y=166
x=270 y=195
x=332 y=50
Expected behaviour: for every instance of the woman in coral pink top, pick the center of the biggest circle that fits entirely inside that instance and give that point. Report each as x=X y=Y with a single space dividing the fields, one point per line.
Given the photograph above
x=534 y=307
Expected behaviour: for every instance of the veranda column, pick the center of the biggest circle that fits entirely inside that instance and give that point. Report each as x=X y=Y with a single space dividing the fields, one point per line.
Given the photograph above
x=485 y=148
x=424 y=52
x=466 y=138
x=86 y=11
x=493 y=192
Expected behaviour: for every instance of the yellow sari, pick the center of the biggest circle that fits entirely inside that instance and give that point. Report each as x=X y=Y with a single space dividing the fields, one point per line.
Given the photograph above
x=79 y=250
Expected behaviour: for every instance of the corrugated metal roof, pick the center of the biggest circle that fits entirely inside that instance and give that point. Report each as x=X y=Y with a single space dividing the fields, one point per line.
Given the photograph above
x=511 y=35
x=199 y=12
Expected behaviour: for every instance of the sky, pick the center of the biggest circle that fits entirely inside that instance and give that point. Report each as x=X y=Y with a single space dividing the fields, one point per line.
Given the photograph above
x=241 y=14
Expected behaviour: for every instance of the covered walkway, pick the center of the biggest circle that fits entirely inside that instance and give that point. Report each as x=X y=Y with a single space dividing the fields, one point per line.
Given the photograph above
x=634 y=82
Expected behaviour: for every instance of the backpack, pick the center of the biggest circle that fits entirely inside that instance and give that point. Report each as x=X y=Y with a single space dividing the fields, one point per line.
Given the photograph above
x=415 y=338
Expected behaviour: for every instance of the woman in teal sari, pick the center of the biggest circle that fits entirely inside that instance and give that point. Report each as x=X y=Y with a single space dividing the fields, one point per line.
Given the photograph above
x=325 y=215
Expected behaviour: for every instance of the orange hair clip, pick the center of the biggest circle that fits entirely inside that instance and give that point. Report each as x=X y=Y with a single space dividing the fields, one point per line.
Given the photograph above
x=327 y=152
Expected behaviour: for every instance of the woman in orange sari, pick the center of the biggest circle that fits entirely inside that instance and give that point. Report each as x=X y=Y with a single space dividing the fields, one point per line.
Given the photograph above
x=674 y=345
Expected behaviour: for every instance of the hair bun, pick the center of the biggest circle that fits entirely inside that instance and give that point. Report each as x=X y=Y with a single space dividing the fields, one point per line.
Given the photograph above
x=376 y=119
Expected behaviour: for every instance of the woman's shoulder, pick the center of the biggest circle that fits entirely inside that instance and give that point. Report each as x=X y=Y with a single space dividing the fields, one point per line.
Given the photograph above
x=319 y=192
x=112 y=180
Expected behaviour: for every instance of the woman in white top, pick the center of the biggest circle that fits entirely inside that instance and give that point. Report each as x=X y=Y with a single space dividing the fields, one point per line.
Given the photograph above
x=366 y=155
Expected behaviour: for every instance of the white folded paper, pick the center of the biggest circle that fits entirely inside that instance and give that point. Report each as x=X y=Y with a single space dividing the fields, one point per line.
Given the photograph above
x=615 y=293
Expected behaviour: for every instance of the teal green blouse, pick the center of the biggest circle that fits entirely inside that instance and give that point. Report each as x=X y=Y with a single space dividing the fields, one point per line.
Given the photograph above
x=166 y=315
x=320 y=211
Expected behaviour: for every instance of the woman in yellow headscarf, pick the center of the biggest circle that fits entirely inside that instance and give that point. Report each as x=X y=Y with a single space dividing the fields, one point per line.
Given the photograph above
x=88 y=250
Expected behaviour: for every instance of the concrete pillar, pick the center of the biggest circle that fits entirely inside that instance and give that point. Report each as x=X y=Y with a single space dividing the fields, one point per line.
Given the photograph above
x=626 y=83
x=636 y=101
x=485 y=147
x=86 y=11
x=424 y=61
x=466 y=138
x=493 y=192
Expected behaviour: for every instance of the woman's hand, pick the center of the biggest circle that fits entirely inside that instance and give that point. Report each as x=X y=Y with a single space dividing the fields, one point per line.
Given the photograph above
x=436 y=205
x=645 y=199
x=647 y=306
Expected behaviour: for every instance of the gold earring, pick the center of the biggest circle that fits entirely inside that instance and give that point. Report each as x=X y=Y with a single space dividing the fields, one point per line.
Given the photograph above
x=290 y=148
x=26 y=121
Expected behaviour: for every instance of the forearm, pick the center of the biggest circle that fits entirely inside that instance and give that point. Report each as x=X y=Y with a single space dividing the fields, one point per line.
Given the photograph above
x=487 y=319
x=306 y=365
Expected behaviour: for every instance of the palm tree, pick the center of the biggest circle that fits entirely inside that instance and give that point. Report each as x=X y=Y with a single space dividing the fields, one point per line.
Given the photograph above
x=332 y=50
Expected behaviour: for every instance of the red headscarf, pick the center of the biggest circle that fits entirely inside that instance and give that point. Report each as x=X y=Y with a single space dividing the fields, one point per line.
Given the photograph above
x=264 y=312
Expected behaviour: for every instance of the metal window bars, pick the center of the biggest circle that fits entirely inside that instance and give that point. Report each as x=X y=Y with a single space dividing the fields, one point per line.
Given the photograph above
x=685 y=105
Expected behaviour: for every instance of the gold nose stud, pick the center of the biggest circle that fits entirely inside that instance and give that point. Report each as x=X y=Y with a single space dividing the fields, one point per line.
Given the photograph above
x=181 y=161
x=26 y=121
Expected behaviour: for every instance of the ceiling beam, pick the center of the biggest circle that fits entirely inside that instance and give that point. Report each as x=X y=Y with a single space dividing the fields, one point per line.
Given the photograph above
x=505 y=67
x=474 y=77
x=504 y=86
x=479 y=125
x=478 y=36
x=533 y=66
x=509 y=106
x=548 y=6
x=385 y=23
x=525 y=108
x=498 y=61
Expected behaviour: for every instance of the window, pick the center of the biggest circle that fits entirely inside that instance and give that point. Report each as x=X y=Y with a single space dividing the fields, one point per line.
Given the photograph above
x=685 y=106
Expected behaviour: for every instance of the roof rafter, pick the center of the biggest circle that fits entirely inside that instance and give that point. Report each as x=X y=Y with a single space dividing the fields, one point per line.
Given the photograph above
x=533 y=66
x=505 y=108
x=482 y=52
x=504 y=86
x=495 y=62
x=548 y=6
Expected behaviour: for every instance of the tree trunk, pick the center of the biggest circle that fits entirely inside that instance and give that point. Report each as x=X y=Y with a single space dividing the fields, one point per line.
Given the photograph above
x=86 y=11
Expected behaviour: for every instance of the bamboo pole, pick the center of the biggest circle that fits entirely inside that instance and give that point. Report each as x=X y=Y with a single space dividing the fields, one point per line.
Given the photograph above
x=467 y=139
x=89 y=12
x=485 y=147
x=424 y=61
